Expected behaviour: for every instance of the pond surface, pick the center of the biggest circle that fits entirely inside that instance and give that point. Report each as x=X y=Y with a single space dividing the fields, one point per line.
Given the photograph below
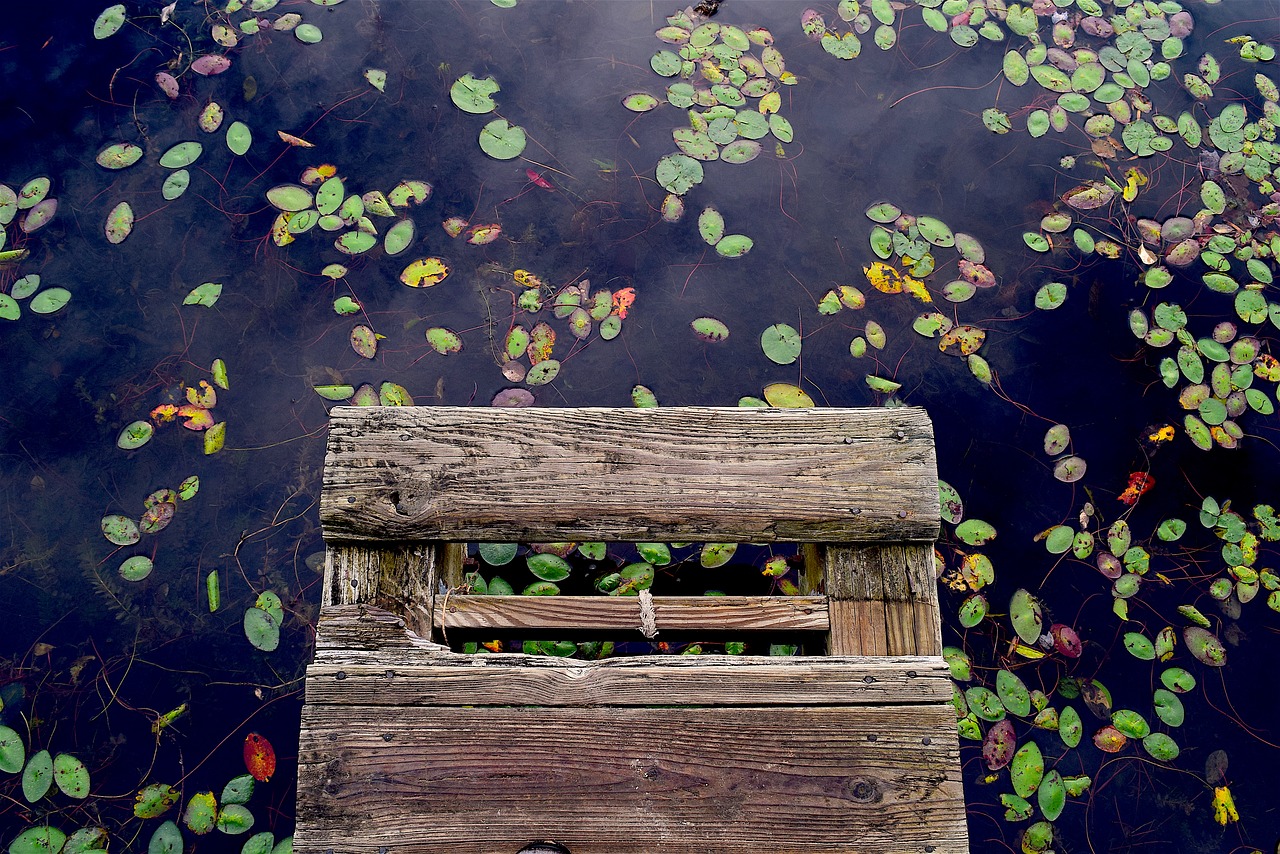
x=1080 y=230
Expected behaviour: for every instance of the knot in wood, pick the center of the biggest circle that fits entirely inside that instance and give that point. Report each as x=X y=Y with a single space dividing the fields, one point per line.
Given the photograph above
x=865 y=791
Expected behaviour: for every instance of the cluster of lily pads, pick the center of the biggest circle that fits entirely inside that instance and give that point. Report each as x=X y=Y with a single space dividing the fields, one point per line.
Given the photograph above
x=717 y=72
x=1015 y=725
x=1216 y=393
x=527 y=354
x=32 y=208
x=44 y=777
x=615 y=574
x=499 y=139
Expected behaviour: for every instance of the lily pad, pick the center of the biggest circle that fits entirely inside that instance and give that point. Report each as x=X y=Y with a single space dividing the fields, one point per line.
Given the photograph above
x=678 y=173
x=474 y=95
x=239 y=138
x=424 y=273
x=502 y=140
x=262 y=629
x=119 y=222
x=787 y=396
x=181 y=155
x=709 y=329
x=734 y=245
x=50 y=300
x=781 y=343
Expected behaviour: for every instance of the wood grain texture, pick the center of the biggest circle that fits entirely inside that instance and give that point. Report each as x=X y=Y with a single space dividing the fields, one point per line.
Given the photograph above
x=622 y=613
x=397 y=577
x=615 y=780
x=738 y=681
x=665 y=474
x=884 y=599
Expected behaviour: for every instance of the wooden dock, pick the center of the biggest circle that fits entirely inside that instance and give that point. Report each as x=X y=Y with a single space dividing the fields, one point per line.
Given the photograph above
x=409 y=747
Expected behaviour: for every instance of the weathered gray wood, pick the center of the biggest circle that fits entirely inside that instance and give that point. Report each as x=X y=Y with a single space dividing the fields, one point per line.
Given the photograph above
x=397 y=577
x=614 y=780
x=724 y=681
x=665 y=474
x=346 y=630
x=622 y=613
x=884 y=600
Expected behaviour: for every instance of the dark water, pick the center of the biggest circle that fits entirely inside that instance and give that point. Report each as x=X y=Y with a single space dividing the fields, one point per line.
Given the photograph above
x=89 y=660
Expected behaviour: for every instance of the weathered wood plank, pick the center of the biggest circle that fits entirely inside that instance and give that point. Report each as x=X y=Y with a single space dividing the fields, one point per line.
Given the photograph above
x=397 y=577
x=346 y=630
x=665 y=474
x=610 y=781
x=622 y=613
x=888 y=594
x=724 y=681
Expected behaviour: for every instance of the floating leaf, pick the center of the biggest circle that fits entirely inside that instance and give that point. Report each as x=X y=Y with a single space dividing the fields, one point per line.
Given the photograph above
x=154 y=800
x=502 y=140
x=290 y=197
x=1026 y=616
x=1069 y=469
x=1160 y=746
x=999 y=744
x=377 y=78
x=108 y=22
x=136 y=568
x=175 y=185
x=781 y=343
x=734 y=246
x=119 y=155
x=120 y=530
x=709 y=329
x=711 y=225
x=444 y=341
x=472 y=95
x=38 y=840
x=308 y=34
x=262 y=630
x=975 y=532
x=787 y=396
x=206 y=294
x=50 y=300
x=364 y=341
x=239 y=138
x=181 y=155
x=678 y=173
x=1205 y=646
x=1027 y=769
x=13 y=754
x=201 y=814
x=119 y=222
x=713 y=555
x=37 y=777
x=424 y=272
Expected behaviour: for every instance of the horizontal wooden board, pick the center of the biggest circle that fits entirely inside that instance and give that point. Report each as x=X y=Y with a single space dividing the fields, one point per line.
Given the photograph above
x=664 y=474
x=723 y=680
x=610 y=781
x=622 y=613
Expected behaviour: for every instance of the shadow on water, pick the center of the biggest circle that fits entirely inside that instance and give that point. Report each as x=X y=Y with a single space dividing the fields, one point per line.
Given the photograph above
x=92 y=661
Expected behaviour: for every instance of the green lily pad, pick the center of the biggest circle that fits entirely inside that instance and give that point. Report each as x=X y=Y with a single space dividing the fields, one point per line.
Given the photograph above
x=308 y=34
x=734 y=245
x=1051 y=296
x=1205 y=646
x=120 y=530
x=181 y=155
x=1027 y=769
x=154 y=800
x=37 y=777
x=136 y=568
x=70 y=775
x=883 y=212
x=444 y=341
x=13 y=754
x=548 y=567
x=50 y=300
x=678 y=173
x=1026 y=616
x=119 y=155
x=239 y=138
x=709 y=329
x=711 y=225
x=1160 y=746
x=1051 y=796
x=262 y=629
x=1013 y=693
x=206 y=294
x=975 y=532
x=38 y=840
x=781 y=343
